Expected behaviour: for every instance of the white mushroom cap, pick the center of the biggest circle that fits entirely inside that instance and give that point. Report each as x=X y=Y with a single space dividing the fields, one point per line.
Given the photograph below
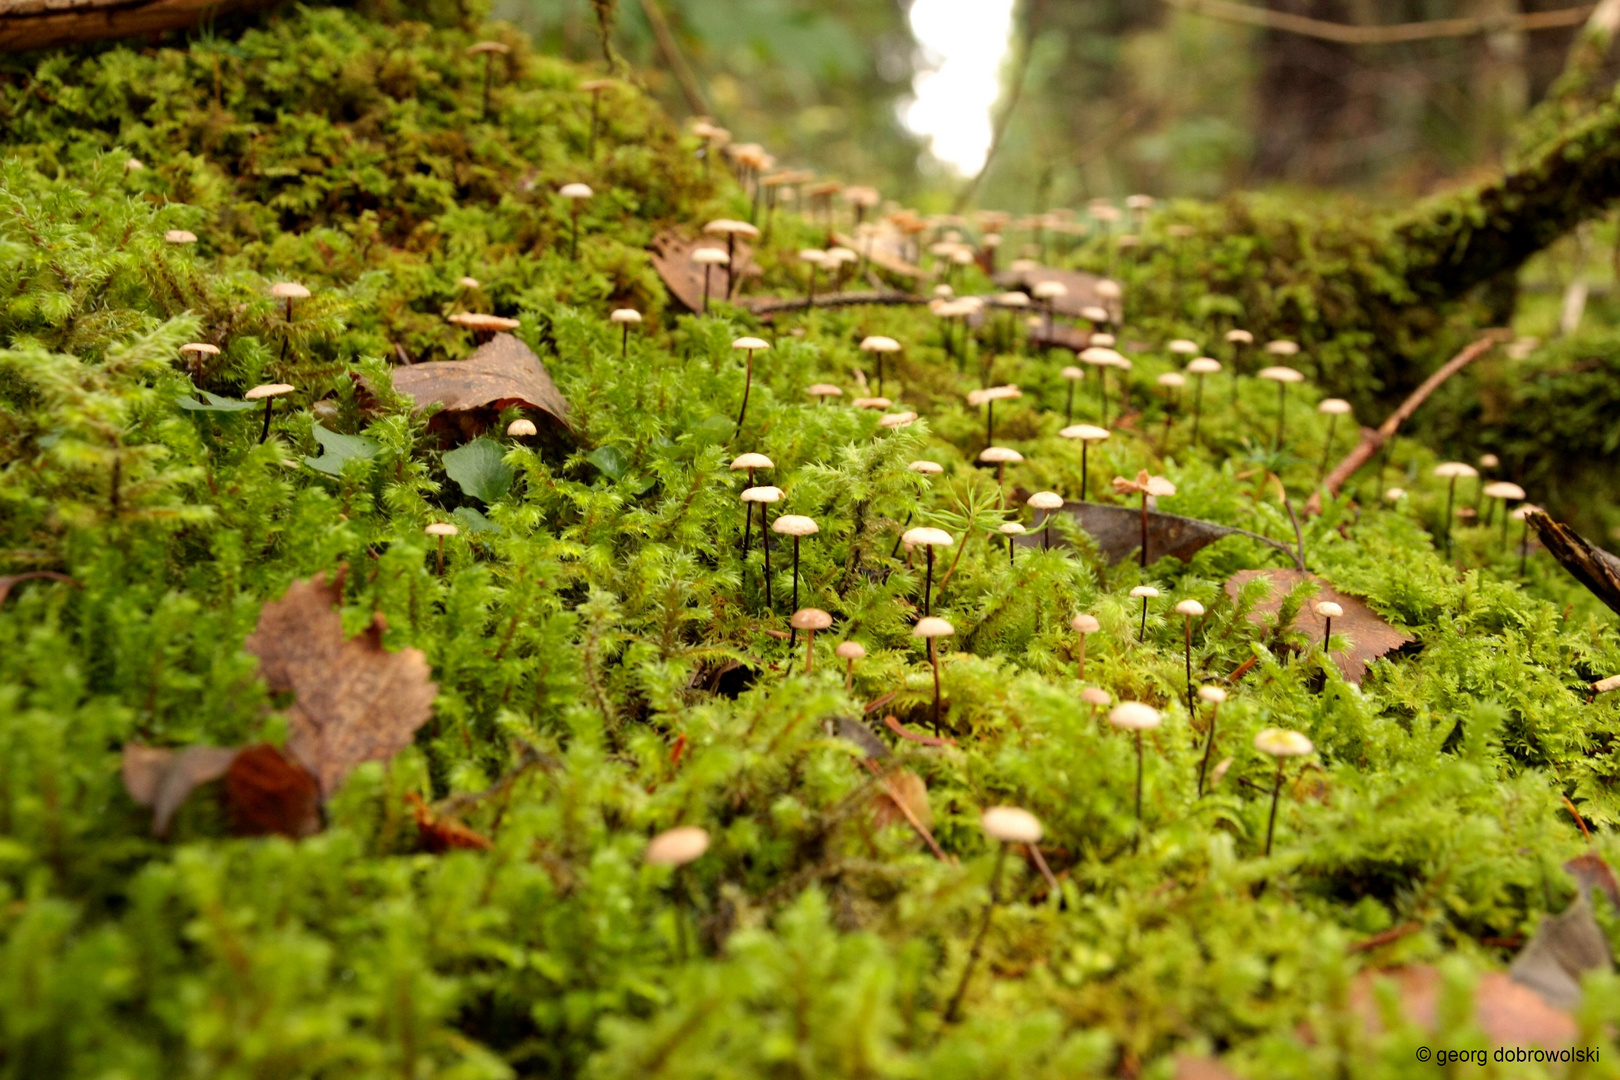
x=481 y=47
x=932 y=626
x=1094 y=314
x=1142 y=592
x=1503 y=489
x=762 y=494
x=1013 y=299
x=1395 y=494
x=1072 y=372
x=1108 y=289
x=1102 y=341
x=795 y=525
x=1212 y=694
x=1087 y=432
x=1190 y=607
x=1183 y=347
x=677 y=847
x=1447 y=470
x=474 y=320
x=1010 y=825
x=926 y=537
x=843 y=254
x=1525 y=511
x=751 y=460
x=943 y=291
x=1135 y=716
x=993 y=393
x=879 y=343
x=849 y=650
x=822 y=389
x=728 y=227
x=134 y=165
x=1329 y=610
x=1333 y=407
x=467 y=282
x=753 y=343
x=202 y=348
x=179 y=236
x=1000 y=455
x=1282 y=347
x=1049 y=290
x=575 y=191
x=1093 y=695
x=710 y=257
x=1139 y=202
x=1011 y=528
x=927 y=468
x=442 y=528
x=1203 y=365
x=1098 y=354
x=1280 y=743
x=813 y=255
x=897 y=420
x=288 y=290
x=1172 y=379
x=871 y=403
x=521 y=427
x=268 y=390
x=1045 y=500
x=810 y=618
x=625 y=315
x=1239 y=337
x=1489 y=461
x=1281 y=374
x=1085 y=624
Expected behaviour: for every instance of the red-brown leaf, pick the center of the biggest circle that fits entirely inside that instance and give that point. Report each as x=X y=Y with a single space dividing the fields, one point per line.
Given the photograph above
x=441 y=834
x=672 y=258
x=1368 y=636
x=267 y=793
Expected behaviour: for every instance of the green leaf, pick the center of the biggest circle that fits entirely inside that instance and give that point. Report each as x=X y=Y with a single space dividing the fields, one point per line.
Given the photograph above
x=610 y=461
x=217 y=404
x=473 y=521
x=478 y=468
x=340 y=450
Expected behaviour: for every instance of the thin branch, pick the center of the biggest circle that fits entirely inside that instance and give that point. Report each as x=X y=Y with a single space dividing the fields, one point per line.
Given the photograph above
x=769 y=305
x=673 y=57
x=1391 y=34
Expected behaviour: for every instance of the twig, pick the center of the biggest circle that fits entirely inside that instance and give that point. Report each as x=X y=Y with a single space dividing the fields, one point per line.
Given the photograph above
x=1378 y=941
x=770 y=305
x=1576 y=814
x=900 y=803
x=1389 y=34
x=927 y=740
x=6 y=583
x=672 y=56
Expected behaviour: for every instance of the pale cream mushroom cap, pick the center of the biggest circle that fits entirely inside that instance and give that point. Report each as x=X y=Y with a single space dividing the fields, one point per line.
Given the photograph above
x=1049 y=290
x=1190 y=607
x=677 y=847
x=810 y=618
x=1144 y=592
x=729 y=227
x=1086 y=432
x=879 y=343
x=1239 y=337
x=180 y=236
x=1102 y=341
x=521 y=427
x=1503 y=489
x=1099 y=354
x=134 y=165
x=1010 y=825
x=1093 y=695
x=1011 y=528
x=897 y=420
x=1212 y=694
x=751 y=460
x=927 y=468
x=993 y=393
x=202 y=348
x=1085 y=624
x=1489 y=461
x=1158 y=485
x=1072 y=372
x=442 y=528
x=575 y=191
x=1394 y=494
x=849 y=650
x=1333 y=407
x=943 y=291
x=1172 y=379
x=625 y=315
x=590 y=86
x=1183 y=347
x=473 y=320
x=1448 y=470
x=926 y=537
x=1280 y=743
x=879 y=403
x=710 y=257
x=822 y=389
x=467 y=282
x=268 y=390
x=1139 y=202
x=752 y=343
x=1135 y=716
x=764 y=493
x=932 y=626
x=481 y=47
x=1281 y=374
x=1282 y=347
x=1328 y=609
x=1109 y=289
x=1203 y=365
x=843 y=254
x=991 y=240
x=1013 y=299
x=1094 y=314
x=1000 y=455
x=288 y=290
x=815 y=256
x=1045 y=500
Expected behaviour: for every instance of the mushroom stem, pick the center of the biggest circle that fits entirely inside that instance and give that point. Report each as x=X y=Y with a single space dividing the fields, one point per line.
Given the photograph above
x=1451 y=495
x=441 y=556
x=990 y=423
x=269 y=403
x=765 y=542
x=1282 y=413
x=489 y=78
x=731 y=253
x=748 y=384
x=809 y=648
x=1327 y=634
x=928 y=581
x=1189 y=666
x=1046 y=531
x=933 y=659
x=795 y=574
x=1141 y=635
x=1136 y=841
x=1327 y=451
x=895 y=551
x=1276 y=792
x=1010 y=546
x=596 y=103
x=1102 y=383
x=706 y=271
x=1085 y=447
x=1524 y=544
x=849 y=676
x=624 y=344
x=1209 y=746
x=880 y=374
x=1068 y=406
x=954 y=1008
x=1198 y=405
x=1504 y=524
x=573 y=236
x=1082 y=658
x=810 y=294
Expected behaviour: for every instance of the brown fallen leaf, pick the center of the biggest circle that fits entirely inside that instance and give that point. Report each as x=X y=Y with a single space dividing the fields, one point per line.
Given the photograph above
x=901 y=788
x=440 y=834
x=672 y=258
x=883 y=251
x=355 y=700
x=1118 y=532
x=1082 y=289
x=1368 y=635
x=1567 y=945
x=500 y=373
x=268 y=793
x=1061 y=336
x=1509 y=1014
x=1589 y=564
x=162 y=779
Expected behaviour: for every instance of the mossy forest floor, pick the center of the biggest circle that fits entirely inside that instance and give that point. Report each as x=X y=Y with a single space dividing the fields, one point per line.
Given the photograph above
x=607 y=667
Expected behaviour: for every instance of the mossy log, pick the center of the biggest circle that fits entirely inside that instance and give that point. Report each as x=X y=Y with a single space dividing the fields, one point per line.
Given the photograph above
x=46 y=24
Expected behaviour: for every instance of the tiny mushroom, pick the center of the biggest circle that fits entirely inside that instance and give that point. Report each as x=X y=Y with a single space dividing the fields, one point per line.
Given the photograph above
x=1084 y=624
x=1328 y=611
x=822 y=391
x=1505 y=491
x=930 y=628
x=1133 y=716
x=797 y=526
x=1012 y=530
x=1097 y=698
x=1000 y=457
x=521 y=428
x=1281 y=745
x=439 y=530
x=1045 y=501
x=289 y=291
x=928 y=539
x=709 y=258
x=897 y=420
x=815 y=258
x=179 y=236
x=196 y=350
x=1087 y=434
x=1214 y=696
x=1198 y=367
x=677 y=847
x=1190 y=609
x=1007 y=825
x=1332 y=408
x=576 y=194
x=878 y=346
x=764 y=496
x=1147 y=486
x=267 y=392
x=809 y=620
x=988 y=397
x=876 y=403
x=1282 y=376
x=594 y=87
x=1102 y=357
x=626 y=318
x=482 y=325
x=1144 y=593
x=750 y=345
x=488 y=50
x=1522 y=514
x=1449 y=471
x=850 y=651
x=1073 y=376
x=730 y=229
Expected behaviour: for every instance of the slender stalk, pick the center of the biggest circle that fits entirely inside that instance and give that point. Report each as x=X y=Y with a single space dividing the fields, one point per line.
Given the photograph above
x=269 y=403
x=1276 y=791
x=894 y=551
x=793 y=632
x=1327 y=634
x=731 y=255
x=765 y=542
x=1144 y=531
x=1102 y=381
x=990 y=423
x=1451 y=494
x=955 y=1007
x=1198 y=405
x=1068 y=406
x=1085 y=449
x=928 y=586
x=1282 y=412
x=1189 y=666
x=706 y=269
x=1327 y=451
x=1136 y=842
x=596 y=105
x=1046 y=531
x=933 y=660
x=624 y=344
x=489 y=78
x=1209 y=747
x=1504 y=523
x=573 y=236
x=441 y=556
x=809 y=650
x=1141 y=635
x=748 y=384
x=1524 y=544
x=1082 y=658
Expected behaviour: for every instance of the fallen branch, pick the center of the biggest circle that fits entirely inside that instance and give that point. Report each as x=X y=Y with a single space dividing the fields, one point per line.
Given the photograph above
x=8 y=583
x=1388 y=34
x=48 y=24
x=1374 y=438
x=772 y=304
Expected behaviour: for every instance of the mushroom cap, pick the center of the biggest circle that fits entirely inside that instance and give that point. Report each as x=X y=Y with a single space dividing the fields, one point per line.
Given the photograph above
x=764 y=493
x=728 y=227
x=473 y=320
x=1280 y=743
x=1072 y=372
x=625 y=315
x=1144 y=592
x=1094 y=314
x=1049 y=290
x=927 y=468
x=1525 y=510
x=1191 y=608
x=1102 y=341
x=1135 y=716
x=1000 y=455
x=1203 y=365
x=1394 y=494
x=467 y=282
x=521 y=426
x=202 y=348
x=1011 y=528
x=823 y=389
x=1013 y=299
x=1503 y=489
x=134 y=164
x=751 y=460
x=812 y=255
x=575 y=191
x=1095 y=695
x=879 y=403
x=810 y=618
x=1212 y=694
x=593 y=85
x=1085 y=624
x=897 y=420
x=932 y=626
x=1173 y=379
x=1450 y=470
x=1010 y=825
x=1281 y=374
x=288 y=290
x=943 y=291
x=442 y=528
x=849 y=650
x=993 y=393
x=1333 y=406
x=1086 y=432
x=842 y=254
x=1139 y=202
x=1108 y=289
x=1099 y=354
x=268 y=390
x=1239 y=337
x=795 y=525
x=1282 y=347
x=750 y=343
x=1045 y=500
x=1183 y=347
x=677 y=846
x=1489 y=461
x=879 y=343
x=180 y=236
x=1329 y=610
x=924 y=536
x=479 y=48
x=710 y=257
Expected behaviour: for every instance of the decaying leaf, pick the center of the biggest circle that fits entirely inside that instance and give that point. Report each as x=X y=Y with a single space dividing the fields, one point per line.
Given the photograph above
x=267 y=793
x=1591 y=565
x=355 y=700
x=902 y=787
x=500 y=373
x=1118 y=532
x=885 y=251
x=440 y=834
x=1082 y=289
x=672 y=258
x=1368 y=636
x=1571 y=943
x=1510 y=1014
x=162 y=779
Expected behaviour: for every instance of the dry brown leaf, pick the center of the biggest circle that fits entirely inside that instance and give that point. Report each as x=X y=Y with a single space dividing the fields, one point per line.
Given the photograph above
x=162 y=779
x=1082 y=289
x=1509 y=1014
x=1567 y=945
x=886 y=252
x=1369 y=636
x=355 y=700
x=672 y=258
x=440 y=834
x=1117 y=531
x=502 y=372
x=267 y=793
x=897 y=787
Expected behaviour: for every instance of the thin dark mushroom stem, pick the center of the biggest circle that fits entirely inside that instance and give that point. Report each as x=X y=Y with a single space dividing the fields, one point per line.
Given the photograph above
x=1198 y=405
x=1068 y=408
x=1144 y=535
x=1282 y=413
x=1085 y=449
x=928 y=585
x=441 y=556
x=1524 y=544
x=933 y=660
x=1451 y=495
x=1327 y=635
x=1209 y=746
x=707 y=269
x=624 y=343
x=596 y=105
x=573 y=236
x=793 y=631
x=269 y=403
x=1141 y=636
x=748 y=384
x=765 y=542
x=1276 y=792
x=1102 y=382
x=1189 y=620
x=1327 y=451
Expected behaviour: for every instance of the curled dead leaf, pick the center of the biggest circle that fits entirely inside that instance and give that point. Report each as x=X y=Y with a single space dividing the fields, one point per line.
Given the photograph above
x=501 y=373
x=1117 y=531
x=162 y=779
x=902 y=787
x=672 y=258
x=1368 y=635
x=269 y=794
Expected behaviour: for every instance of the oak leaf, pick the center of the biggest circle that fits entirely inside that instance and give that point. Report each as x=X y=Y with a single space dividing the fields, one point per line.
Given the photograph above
x=355 y=701
x=1368 y=636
